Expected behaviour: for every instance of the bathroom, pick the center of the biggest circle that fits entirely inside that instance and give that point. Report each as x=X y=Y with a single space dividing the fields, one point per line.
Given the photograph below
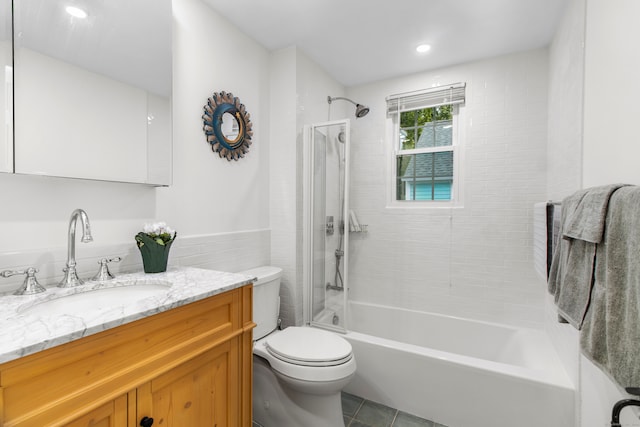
x=552 y=97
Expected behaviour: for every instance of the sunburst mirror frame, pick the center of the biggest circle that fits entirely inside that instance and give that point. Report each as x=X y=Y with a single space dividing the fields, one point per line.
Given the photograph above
x=217 y=106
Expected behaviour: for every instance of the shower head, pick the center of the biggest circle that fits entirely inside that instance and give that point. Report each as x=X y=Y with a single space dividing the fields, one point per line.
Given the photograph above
x=361 y=110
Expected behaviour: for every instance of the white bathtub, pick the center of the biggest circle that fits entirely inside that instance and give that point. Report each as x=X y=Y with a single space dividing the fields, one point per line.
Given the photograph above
x=458 y=372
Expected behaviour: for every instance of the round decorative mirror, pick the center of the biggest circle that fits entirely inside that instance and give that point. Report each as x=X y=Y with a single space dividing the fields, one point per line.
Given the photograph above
x=230 y=127
x=227 y=126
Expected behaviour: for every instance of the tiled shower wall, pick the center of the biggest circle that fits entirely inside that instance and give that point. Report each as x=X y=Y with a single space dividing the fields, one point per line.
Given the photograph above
x=476 y=260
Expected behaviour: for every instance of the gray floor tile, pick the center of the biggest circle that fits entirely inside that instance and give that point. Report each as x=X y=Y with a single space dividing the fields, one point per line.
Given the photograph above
x=375 y=414
x=407 y=420
x=359 y=412
x=350 y=404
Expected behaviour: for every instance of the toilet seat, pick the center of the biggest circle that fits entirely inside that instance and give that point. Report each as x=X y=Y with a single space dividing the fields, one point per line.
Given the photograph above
x=309 y=347
x=290 y=353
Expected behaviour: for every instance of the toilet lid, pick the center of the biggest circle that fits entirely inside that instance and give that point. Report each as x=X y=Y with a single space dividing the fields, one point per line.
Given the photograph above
x=309 y=347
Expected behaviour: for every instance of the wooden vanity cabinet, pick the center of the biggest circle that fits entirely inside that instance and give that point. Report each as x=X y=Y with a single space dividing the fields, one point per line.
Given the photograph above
x=189 y=366
x=111 y=414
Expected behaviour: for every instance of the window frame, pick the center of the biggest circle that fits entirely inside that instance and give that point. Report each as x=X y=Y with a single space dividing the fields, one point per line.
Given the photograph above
x=393 y=130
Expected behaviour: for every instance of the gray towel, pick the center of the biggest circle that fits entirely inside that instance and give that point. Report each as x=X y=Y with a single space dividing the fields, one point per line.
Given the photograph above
x=571 y=273
x=586 y=222
x=611 y=332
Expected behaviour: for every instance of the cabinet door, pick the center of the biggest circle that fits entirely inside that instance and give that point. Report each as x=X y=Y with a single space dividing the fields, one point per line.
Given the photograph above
x=196 y=393
x=111 y=414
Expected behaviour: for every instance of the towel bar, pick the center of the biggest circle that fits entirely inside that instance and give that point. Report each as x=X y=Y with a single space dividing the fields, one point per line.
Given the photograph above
x=621 y=404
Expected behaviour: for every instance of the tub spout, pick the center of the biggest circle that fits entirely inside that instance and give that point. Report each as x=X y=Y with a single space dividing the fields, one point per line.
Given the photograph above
x=70 y=275
x=618 y=407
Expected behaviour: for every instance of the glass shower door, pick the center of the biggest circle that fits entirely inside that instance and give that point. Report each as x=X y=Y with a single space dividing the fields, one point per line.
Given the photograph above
x=326 y=207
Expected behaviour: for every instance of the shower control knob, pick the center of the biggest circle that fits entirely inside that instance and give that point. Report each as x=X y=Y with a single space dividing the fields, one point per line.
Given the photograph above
x=146 y=422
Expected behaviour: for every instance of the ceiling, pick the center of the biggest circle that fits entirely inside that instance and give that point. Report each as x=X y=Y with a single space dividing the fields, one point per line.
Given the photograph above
x=362 y=41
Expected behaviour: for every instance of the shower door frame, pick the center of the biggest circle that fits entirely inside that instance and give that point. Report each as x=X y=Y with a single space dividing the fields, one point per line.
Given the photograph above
x=307 y=212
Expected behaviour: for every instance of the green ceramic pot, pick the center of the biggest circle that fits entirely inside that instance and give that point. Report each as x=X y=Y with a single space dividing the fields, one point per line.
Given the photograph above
x=154 y=254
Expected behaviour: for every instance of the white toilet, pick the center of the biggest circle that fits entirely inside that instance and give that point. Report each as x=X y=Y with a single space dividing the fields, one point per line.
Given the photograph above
x=298 y=372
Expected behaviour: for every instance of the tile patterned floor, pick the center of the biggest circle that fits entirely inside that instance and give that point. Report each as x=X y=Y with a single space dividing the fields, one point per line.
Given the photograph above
x=359 y=412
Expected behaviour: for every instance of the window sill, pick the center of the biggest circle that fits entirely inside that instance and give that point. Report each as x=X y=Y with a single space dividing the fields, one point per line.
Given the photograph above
x=431 y=204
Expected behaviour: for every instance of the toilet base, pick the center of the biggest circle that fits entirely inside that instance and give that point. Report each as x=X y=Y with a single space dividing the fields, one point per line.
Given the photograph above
x=275 y=405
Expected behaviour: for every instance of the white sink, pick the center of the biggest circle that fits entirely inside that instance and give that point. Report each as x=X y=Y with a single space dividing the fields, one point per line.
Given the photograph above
x=112 y=295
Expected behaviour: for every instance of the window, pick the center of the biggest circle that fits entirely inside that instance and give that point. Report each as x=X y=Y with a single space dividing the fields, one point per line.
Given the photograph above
x=425 y=141
x=424 y=160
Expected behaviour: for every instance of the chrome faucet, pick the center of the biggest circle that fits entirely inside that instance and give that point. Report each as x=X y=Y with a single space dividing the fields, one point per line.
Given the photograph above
x=30 y=285
x=70 y=275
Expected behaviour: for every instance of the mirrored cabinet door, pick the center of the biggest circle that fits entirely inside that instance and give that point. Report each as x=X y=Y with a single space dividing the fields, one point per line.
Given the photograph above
x=92 y=88
x=6 y=89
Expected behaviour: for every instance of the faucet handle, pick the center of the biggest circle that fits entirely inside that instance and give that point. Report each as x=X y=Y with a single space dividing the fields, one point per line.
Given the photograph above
x=104 y=273
x=30 y=285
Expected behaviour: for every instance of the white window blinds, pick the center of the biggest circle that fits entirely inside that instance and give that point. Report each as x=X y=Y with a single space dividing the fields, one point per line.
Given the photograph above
x=432 y=97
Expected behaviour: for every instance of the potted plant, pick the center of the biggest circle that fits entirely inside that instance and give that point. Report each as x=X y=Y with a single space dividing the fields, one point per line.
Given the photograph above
x=154 y=243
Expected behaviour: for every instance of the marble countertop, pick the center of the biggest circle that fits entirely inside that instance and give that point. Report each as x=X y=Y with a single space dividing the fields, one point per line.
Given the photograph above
x=25 y=330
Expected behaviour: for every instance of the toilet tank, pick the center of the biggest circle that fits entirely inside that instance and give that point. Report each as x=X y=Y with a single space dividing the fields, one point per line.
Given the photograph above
x=266 y=299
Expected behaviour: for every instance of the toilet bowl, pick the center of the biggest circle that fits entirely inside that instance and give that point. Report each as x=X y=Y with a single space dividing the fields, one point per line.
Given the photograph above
x=298 y=372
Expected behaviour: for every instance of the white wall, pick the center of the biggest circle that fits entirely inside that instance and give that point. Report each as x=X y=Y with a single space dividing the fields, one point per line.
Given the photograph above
x=210 y=194
x=35 y=211
x=474 y=261
x=611 y=148
x=611 y=109
x=299 y=90
x=588 y=57
x=282 y=157
x=218 y=207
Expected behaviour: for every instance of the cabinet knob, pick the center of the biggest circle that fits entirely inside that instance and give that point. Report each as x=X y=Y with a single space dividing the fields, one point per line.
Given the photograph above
x=146 y=422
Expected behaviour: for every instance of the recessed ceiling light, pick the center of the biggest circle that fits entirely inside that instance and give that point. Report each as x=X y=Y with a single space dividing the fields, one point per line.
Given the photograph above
x=76 y=12
x=423 y=48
